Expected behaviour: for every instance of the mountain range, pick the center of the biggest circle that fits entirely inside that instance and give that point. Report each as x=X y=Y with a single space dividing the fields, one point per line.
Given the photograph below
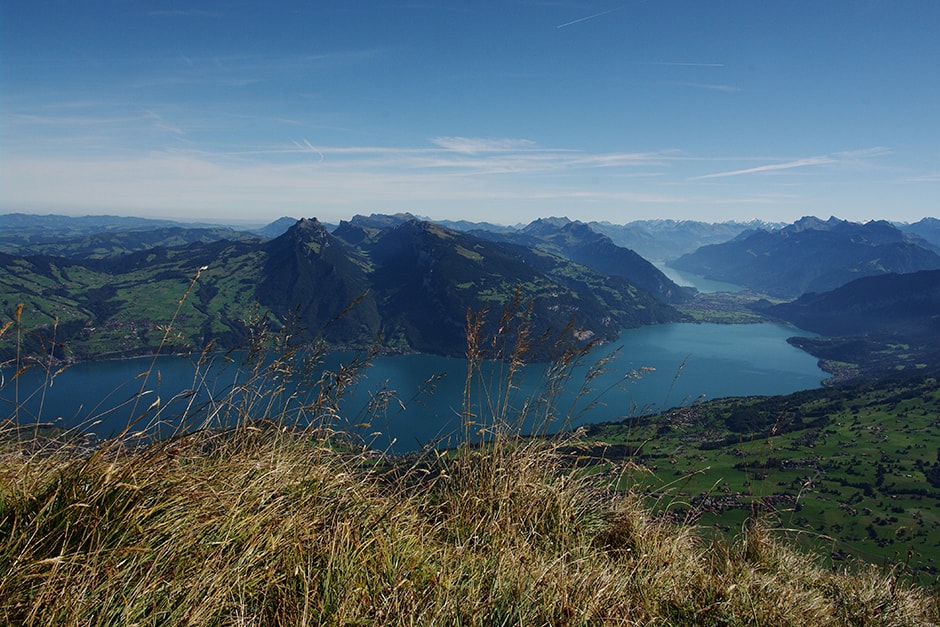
x=927 y=229
x=853 y=467
x=404 y=282
x=811 y=255
x=425 y=277
x=104 y=283
x=664 y=240
x=580 y=243
x=658 y=240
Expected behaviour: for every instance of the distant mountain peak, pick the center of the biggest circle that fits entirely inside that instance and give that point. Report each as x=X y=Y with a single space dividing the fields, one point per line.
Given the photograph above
x=543 y=225
x=278 y=227
x=811 y=255
x=304 y=231
x=423 y=228
x=309 y=225
x=812 y=223
x=577 y=226
x=556 y=221
x=928 y=229
x=883 y=230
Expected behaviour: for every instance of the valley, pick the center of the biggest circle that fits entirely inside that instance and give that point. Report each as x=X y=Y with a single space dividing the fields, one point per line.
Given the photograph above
x=849 y=468
x=850 y=471
x=518 y=313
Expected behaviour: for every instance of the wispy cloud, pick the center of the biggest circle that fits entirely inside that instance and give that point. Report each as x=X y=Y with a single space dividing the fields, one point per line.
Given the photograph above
x=844 y=160
x=772 y=167
x=708 y=86
x=76 y=121
x=477 y=144
x=241 y=70
x=306 y=146
x=863 y=153
x=194 y=184
x=121 y=157
x=447 y=172
x=589 y=17
x=475 y=157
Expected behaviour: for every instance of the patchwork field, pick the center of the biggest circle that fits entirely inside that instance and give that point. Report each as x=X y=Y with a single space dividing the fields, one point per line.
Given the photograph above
x=852 y=471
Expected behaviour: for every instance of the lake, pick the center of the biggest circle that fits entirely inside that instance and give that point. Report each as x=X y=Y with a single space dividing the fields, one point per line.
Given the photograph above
x=687 y=279
x=688 y=361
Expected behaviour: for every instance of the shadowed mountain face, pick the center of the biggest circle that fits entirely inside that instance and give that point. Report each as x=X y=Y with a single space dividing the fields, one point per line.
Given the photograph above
x=902 y=304
x=310 y=275
x=887 y=325
x=426 y=277
x=580 y=243
x=810 y=256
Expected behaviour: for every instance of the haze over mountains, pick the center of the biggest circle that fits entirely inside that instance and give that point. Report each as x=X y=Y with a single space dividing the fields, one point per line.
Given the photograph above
x=664 y=240
x=811 y=255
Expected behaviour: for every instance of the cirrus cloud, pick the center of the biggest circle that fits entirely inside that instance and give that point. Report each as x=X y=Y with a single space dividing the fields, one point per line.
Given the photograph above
x=481 y=144
x=789 y=165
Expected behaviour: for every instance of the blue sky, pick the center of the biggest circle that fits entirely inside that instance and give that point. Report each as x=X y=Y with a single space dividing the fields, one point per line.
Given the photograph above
x=489 y=110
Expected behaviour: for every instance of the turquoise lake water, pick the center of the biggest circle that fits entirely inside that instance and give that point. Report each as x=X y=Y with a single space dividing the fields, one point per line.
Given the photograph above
x=688 y=362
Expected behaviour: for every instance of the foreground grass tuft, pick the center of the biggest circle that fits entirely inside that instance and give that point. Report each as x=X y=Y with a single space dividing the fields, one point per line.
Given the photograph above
x=261 y=525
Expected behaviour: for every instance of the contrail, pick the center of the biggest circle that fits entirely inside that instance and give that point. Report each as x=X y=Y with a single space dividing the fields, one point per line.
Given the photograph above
x=589 y=17
x=307 y=146
x=799 y=163
x=679 y=63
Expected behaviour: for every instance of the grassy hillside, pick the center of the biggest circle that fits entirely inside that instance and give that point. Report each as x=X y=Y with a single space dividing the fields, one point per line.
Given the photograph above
x=279 y=520
x=96 y=311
